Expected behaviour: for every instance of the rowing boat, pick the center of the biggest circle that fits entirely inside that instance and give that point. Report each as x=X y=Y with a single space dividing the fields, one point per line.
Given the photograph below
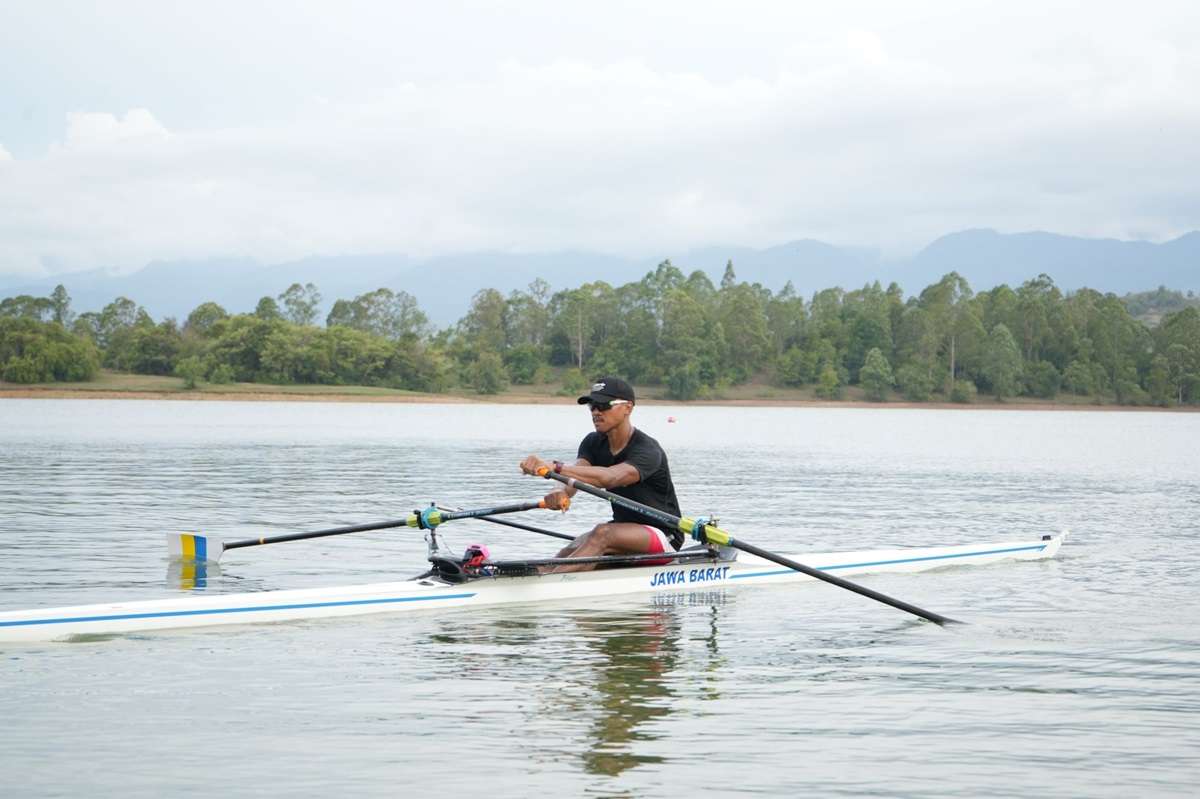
x=704 y=568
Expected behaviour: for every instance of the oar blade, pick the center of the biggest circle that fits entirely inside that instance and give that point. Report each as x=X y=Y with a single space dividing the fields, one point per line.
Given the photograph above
x=194 y=548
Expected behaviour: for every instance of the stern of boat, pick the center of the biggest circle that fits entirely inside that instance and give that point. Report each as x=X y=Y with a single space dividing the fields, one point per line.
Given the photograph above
x=1053 y=544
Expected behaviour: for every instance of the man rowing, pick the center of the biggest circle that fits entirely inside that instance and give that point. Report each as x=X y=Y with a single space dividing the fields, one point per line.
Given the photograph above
x=626 y=461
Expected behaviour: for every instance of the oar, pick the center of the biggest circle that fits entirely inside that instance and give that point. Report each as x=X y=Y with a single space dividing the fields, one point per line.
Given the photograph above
x=526 y=527
x=195 y=547
x=704 y=531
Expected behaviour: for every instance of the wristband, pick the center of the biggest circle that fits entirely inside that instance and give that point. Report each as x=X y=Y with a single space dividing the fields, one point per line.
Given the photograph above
x=558 y=467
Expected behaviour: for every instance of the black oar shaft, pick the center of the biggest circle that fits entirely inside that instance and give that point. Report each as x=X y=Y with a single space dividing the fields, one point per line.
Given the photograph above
x=526 y=527
x=663 y=517
x=899 y=604
x=686 y=525
x=278 y=539
x=517 y=507
x=408 y=521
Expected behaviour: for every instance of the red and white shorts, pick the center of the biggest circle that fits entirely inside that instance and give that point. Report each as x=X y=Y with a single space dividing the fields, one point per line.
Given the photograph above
x=658 y=543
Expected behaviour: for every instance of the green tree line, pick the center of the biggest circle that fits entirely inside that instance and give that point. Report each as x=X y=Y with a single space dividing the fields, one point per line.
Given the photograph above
x=670 y=329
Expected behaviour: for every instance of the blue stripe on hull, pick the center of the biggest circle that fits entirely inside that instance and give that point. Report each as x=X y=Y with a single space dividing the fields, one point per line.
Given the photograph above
x=217 y=611
x=1037 y=548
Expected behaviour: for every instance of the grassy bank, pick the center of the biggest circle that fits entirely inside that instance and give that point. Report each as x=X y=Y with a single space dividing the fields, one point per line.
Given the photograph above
x=116 y=385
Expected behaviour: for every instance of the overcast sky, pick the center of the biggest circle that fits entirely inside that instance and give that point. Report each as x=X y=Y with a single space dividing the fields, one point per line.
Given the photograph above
x=136 y=131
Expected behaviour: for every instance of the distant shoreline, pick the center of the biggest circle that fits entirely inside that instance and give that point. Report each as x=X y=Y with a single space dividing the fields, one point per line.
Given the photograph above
x=330 y=394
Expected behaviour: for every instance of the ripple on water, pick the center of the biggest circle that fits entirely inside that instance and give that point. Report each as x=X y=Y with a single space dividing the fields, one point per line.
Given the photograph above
x=1076 y=677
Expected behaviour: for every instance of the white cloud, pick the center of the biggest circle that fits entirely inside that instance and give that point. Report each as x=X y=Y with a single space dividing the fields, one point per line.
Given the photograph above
x=89 y=129
x=868 y=46
x=5 y=155
x=867 y=131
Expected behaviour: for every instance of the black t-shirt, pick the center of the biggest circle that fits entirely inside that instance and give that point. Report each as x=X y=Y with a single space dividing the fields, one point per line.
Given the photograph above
x=654 y=488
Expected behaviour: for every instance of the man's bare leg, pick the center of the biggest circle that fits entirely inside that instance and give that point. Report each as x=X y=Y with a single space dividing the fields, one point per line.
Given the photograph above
x=613 y=538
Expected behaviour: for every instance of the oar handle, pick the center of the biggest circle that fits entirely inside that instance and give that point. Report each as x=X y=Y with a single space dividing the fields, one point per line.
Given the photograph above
x=704 y=531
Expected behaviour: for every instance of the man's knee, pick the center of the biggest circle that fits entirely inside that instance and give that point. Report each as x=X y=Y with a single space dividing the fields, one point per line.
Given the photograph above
x=602 y=533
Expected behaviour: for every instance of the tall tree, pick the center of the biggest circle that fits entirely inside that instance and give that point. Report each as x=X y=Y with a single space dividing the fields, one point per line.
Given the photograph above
x=584 y=320
x=729 y=279
x=268 y=309
x=786 y=317
x=115 y=319
x=485 y=325
x=571 y=326
x=1158 y=382
x=300 y=303
x=1178 y=340
x=1122 y=347
x=1035 y=302
x=201 y=320
x=701 y=288
x=876 y=375
x=690 y=339
x=529 y=316
x=1002 y=362
x=659 y=283
x=27 y=307
x=60 y=303
x=866 y=315
x=917 y=345
x=947 y=303
x=744 y=324
x=632 y=348
x=385 y=313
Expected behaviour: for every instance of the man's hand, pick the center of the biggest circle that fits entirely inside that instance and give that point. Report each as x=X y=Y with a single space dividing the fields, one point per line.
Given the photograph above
x=533 y=464
x=557 y=500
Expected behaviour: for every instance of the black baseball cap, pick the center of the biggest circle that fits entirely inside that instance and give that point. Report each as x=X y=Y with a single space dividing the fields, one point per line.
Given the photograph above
x=607 y=389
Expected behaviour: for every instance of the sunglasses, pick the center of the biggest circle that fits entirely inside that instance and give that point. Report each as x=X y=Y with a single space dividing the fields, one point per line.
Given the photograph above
x=606 y=406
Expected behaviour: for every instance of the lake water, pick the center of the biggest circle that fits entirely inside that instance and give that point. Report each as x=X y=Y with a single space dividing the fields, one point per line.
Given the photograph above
x=1075 y=677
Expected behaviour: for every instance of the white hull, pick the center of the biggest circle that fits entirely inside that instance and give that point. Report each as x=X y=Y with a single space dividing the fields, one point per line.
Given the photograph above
x=199 y=610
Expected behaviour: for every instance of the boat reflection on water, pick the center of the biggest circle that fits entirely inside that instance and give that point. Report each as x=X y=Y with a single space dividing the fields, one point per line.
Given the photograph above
x=638 y=651
x=613 y=675
x=644 y=660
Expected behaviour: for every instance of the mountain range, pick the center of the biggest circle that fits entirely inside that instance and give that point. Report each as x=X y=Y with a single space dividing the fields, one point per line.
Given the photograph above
x=444 y=285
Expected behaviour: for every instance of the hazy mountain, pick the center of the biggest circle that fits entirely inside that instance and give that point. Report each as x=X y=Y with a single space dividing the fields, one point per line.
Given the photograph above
x=163 y=288
x=444 y=285
x=987 y=258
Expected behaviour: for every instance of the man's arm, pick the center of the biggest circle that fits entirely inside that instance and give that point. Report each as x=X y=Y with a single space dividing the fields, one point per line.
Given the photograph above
x=615 y=476
x=559 y=497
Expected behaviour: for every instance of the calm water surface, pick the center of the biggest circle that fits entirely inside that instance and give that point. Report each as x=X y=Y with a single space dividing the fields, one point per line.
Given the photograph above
x=1079 y=676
